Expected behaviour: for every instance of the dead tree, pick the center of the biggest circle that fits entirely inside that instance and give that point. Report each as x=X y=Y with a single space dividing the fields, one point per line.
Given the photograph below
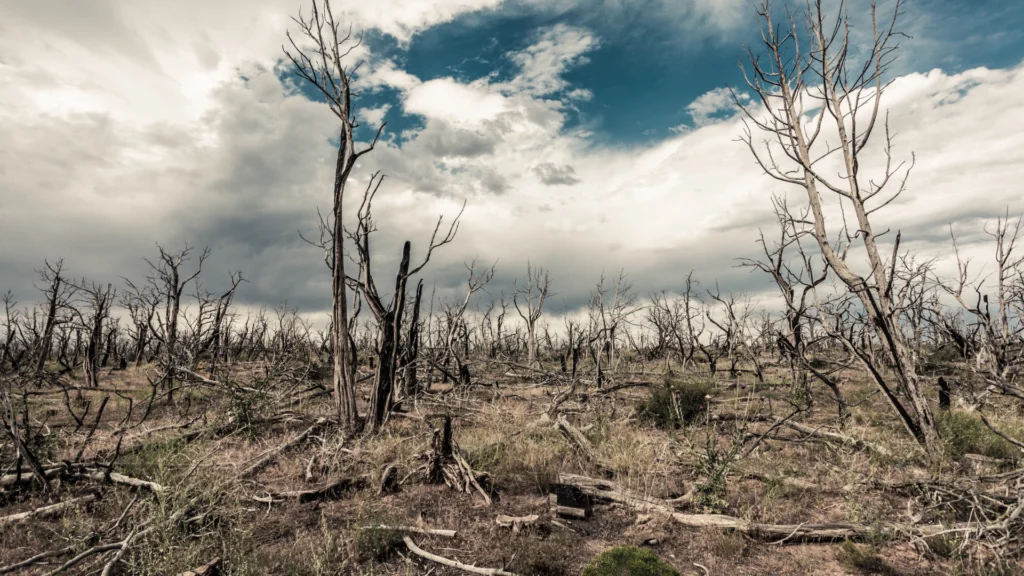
x=818 y=110
x=1000 y=357
x=388 y=316
x=610 y=311
x=320 y=57
x=796 y=275
x=58 y=294
x=98 y=301
x=532 y=295
x=456 y=336
x=168 y=282
x=141 y=304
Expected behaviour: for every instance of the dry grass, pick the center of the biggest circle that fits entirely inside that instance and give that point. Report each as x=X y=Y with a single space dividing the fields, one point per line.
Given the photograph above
x=502 y=433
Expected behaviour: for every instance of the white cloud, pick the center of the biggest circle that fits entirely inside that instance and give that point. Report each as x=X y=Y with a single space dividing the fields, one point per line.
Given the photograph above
x=130 y=152
x=715 y=104
x=447 y=99
x=542 y=64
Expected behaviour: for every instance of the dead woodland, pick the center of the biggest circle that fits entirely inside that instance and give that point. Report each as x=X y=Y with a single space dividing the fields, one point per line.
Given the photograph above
x=865 y=418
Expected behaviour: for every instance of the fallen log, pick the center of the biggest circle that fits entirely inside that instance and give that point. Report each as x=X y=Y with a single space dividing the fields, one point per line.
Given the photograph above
x=516 y=523
x=415 y=530
x=581 y=442
x=332 y=490
x=26 y=476
x=452 y=563
x=803 y=532
x=47 y=510
x=118 y=478
x=35 y=559
x=271 y=455
x=849 y=441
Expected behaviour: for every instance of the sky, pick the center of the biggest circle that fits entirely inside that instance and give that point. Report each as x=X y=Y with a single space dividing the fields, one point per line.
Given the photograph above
x=585 y=136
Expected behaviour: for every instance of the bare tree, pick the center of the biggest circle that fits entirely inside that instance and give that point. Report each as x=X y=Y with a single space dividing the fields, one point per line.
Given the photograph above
x=532 y=295
x=388 y=316
x=809 y=97
x=57 y=293
x=323 y=62
x=168 y=282
x=610 y=310
x=796 y=274
x=98 y=301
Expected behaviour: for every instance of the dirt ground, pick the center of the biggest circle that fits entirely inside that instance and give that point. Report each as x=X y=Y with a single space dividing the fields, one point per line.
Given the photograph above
x=196 y=448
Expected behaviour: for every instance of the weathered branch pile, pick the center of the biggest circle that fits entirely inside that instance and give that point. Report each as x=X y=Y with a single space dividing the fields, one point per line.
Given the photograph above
x=610 y=492
x=445 y=463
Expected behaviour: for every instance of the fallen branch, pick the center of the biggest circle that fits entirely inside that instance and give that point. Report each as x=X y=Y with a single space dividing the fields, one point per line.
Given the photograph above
x=332 y=490
x=36 y=558
x=47 y=510
x=452 y=563
x=516 y=523
x=117 y=478
x=577 y=438
x=271 y=455
x=787 y=532
x=415 y=530
x=26 y=476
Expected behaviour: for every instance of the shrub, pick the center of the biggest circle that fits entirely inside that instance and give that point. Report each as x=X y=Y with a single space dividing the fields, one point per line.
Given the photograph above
x=964 y=433
x=676 y=403
x=373 y=544
x=545 y=558
x=629 y=561
x=860 y=560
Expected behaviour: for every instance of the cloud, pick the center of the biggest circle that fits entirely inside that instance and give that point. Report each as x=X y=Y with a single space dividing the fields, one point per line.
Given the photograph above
x=714 y=105
x=553 y=175
x=102 y=154
x=543 y=63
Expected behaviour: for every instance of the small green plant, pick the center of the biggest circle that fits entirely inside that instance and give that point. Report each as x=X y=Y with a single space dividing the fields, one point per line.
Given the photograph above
x=544 y=558
x=860 y=560
x=249 y=406
x=374 y=544
x=629 y=561
x=676 y=403
x=965 y=433
x=713 y=466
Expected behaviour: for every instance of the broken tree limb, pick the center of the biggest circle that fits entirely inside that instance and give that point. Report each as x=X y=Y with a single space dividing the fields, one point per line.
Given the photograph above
x=415 y=530
x=332 y=490
x=47 y=510
x=787 y=532
x=271 y=455
x=26 y=476
x=843 y=439
x=516 y=523
x=35 y=559
x=581 y=442
x=452 y=563
x=118 y=478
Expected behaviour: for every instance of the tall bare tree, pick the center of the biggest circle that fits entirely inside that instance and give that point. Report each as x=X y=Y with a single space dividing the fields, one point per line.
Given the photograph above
x=321 y=57
x=57 y=292
x=388 y=315
x=532 y=295
x=818 y=110
x=168 y=282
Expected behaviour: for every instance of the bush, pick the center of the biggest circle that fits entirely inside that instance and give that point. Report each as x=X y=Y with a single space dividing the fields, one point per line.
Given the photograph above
x=676 y=403
x=373 y=544
x=545 y=558
x=965 y=433
x=629 y=561
x=860 y=560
